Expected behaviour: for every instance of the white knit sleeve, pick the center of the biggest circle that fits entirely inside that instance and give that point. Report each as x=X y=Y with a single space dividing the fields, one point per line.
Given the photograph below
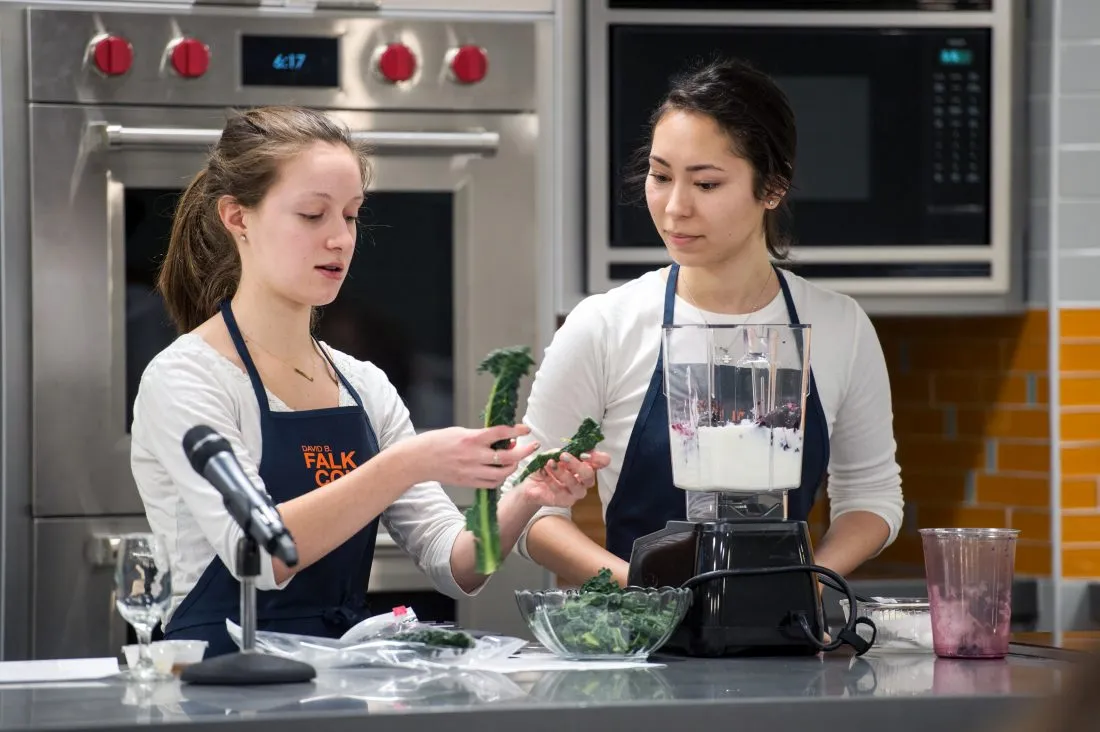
x=570 y=385
x=423 y=521
x=178 y=392
x=863 y=472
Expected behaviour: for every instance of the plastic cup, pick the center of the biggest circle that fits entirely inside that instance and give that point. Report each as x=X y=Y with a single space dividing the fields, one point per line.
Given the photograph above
x=969 y=574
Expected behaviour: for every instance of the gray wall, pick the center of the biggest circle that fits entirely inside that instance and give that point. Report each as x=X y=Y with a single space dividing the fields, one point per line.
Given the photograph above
x=1065 y=144
x=1065 y=219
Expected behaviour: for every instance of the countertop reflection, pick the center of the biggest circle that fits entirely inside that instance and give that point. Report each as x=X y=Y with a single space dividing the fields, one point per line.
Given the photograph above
x=678 y=682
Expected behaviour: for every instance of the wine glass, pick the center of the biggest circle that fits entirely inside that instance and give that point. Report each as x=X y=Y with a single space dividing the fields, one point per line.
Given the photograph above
x=143 y=589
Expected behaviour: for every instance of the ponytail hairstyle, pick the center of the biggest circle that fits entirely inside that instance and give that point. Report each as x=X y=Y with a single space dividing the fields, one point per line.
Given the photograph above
x=203 y=267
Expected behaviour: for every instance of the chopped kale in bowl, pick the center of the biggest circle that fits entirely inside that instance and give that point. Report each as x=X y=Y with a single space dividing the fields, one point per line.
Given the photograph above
x=602 y=620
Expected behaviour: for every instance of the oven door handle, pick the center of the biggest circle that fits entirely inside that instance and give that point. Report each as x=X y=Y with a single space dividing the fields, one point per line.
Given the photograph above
x=380 y=142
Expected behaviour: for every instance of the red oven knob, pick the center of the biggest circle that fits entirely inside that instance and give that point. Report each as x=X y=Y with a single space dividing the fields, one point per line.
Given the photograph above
x=112 y=55
x=396 y=63
x=469 y=64
x=190 y=57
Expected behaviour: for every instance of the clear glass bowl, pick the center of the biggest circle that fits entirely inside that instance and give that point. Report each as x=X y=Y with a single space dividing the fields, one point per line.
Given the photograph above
x=903 y=624
x=604 y=626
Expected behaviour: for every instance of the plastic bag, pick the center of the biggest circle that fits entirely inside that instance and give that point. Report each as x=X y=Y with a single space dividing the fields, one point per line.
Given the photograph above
x=379 y=649
x=382 y=626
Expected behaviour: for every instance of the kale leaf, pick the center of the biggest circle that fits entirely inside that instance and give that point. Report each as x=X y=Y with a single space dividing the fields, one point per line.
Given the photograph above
x=508 y=367
x=604 y=619
x=585 y=439
x=601 y=582
x=435 y=637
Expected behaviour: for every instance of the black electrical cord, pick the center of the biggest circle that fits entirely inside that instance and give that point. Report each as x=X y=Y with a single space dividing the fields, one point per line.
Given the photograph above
x=847 y=635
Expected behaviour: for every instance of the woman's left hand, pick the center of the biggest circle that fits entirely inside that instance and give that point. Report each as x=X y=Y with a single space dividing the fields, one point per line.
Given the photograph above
x=561 y=483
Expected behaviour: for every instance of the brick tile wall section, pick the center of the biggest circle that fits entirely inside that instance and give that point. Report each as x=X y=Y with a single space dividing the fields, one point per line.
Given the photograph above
x=1079 y=397
x=971 y=421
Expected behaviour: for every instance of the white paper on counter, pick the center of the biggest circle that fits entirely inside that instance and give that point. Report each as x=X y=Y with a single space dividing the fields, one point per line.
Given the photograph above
x=548 y=662
x=63 y=669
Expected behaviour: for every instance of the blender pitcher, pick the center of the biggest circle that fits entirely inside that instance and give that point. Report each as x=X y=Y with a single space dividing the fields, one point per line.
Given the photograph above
x=736 y=401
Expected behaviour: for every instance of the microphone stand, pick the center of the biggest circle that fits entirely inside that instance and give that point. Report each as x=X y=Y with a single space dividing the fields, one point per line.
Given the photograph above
x=247 y=667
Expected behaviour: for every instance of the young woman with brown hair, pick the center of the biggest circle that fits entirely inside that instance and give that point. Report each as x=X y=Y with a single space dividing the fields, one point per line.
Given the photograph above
x=263 y=235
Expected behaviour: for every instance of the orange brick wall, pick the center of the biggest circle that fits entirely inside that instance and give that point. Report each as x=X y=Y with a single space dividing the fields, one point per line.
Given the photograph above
x=1079 y=421
x=971 y=419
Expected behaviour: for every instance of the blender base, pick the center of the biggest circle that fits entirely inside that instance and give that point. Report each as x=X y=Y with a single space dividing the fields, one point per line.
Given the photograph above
x=755 y=615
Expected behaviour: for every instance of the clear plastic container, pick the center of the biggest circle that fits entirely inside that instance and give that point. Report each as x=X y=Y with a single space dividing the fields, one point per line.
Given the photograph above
x=736 y=395
x=969 y=574
x=902 y=624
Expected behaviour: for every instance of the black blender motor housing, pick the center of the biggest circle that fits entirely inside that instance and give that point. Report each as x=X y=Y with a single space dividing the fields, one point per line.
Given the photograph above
x=755 y=587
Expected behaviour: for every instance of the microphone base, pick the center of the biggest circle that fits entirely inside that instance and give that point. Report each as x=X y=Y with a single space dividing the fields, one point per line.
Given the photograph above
x=247 y=669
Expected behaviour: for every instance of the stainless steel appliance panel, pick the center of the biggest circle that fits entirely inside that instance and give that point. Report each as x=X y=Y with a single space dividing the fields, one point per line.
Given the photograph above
x=73 y=591
x=81 y=153
x=64 y=38
x=77 y=182
x=15 y=334
x=885 y=275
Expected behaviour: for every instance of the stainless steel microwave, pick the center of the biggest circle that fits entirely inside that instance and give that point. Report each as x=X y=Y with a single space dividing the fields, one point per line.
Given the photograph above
x=910 y=183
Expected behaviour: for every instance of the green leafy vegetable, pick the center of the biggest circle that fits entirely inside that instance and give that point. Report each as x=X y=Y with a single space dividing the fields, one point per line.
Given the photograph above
x=508 y=367
x=434 y=637
x=601 y=582
x=585 y=439
x=604 y=619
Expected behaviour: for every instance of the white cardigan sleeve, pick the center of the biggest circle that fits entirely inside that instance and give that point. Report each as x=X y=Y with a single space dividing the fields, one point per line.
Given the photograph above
x=177 y=393
x=570 y=385
x=863 y=472
x=424 y=521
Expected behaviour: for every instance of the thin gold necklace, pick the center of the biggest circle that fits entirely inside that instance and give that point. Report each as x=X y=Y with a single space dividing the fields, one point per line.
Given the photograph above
x=297 y=370
x=759 y=304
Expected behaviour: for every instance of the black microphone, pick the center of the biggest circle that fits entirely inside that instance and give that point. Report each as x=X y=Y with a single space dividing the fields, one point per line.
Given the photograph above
x=212 y=457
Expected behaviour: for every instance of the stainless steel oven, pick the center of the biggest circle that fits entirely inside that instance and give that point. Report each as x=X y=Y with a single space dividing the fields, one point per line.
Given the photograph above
x=120 y=109
x=909 y=174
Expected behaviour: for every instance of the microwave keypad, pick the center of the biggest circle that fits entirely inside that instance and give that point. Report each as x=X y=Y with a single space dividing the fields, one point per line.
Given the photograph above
x=957 y=124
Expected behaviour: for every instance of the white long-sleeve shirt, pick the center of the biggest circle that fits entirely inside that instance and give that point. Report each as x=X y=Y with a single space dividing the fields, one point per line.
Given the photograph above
x=191 y=383
x=601 y=361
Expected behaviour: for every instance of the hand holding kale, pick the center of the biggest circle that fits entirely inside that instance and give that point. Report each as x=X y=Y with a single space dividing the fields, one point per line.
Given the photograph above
x=508 y=367
x=584 y=440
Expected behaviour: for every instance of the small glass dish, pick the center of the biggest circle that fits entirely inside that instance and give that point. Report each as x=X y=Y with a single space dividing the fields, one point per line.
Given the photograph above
x=903 y=624
x=169 y=656
x=631 y=624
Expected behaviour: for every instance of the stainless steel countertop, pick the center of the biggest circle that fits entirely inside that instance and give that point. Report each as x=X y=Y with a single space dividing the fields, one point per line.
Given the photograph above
x=784 y=694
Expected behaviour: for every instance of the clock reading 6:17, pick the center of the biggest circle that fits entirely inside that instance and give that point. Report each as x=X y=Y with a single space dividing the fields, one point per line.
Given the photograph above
x=289 y=61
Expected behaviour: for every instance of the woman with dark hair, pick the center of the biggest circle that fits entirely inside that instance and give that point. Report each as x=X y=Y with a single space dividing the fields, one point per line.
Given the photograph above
x=717 y=171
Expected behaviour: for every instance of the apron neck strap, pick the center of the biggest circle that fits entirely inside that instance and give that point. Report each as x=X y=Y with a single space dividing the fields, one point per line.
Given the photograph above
x=246 y=358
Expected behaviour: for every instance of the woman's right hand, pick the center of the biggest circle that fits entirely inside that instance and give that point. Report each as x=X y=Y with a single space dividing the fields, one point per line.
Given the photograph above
x=464 y=457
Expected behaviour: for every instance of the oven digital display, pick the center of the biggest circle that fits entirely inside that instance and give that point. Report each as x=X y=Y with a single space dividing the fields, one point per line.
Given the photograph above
x=300 y=61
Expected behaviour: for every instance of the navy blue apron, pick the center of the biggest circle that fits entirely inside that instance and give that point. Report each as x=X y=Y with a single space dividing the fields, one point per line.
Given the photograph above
x=645 y=497
x=301 y=451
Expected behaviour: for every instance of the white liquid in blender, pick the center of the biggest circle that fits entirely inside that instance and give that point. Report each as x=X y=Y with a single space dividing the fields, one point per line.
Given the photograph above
x=736 y=457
